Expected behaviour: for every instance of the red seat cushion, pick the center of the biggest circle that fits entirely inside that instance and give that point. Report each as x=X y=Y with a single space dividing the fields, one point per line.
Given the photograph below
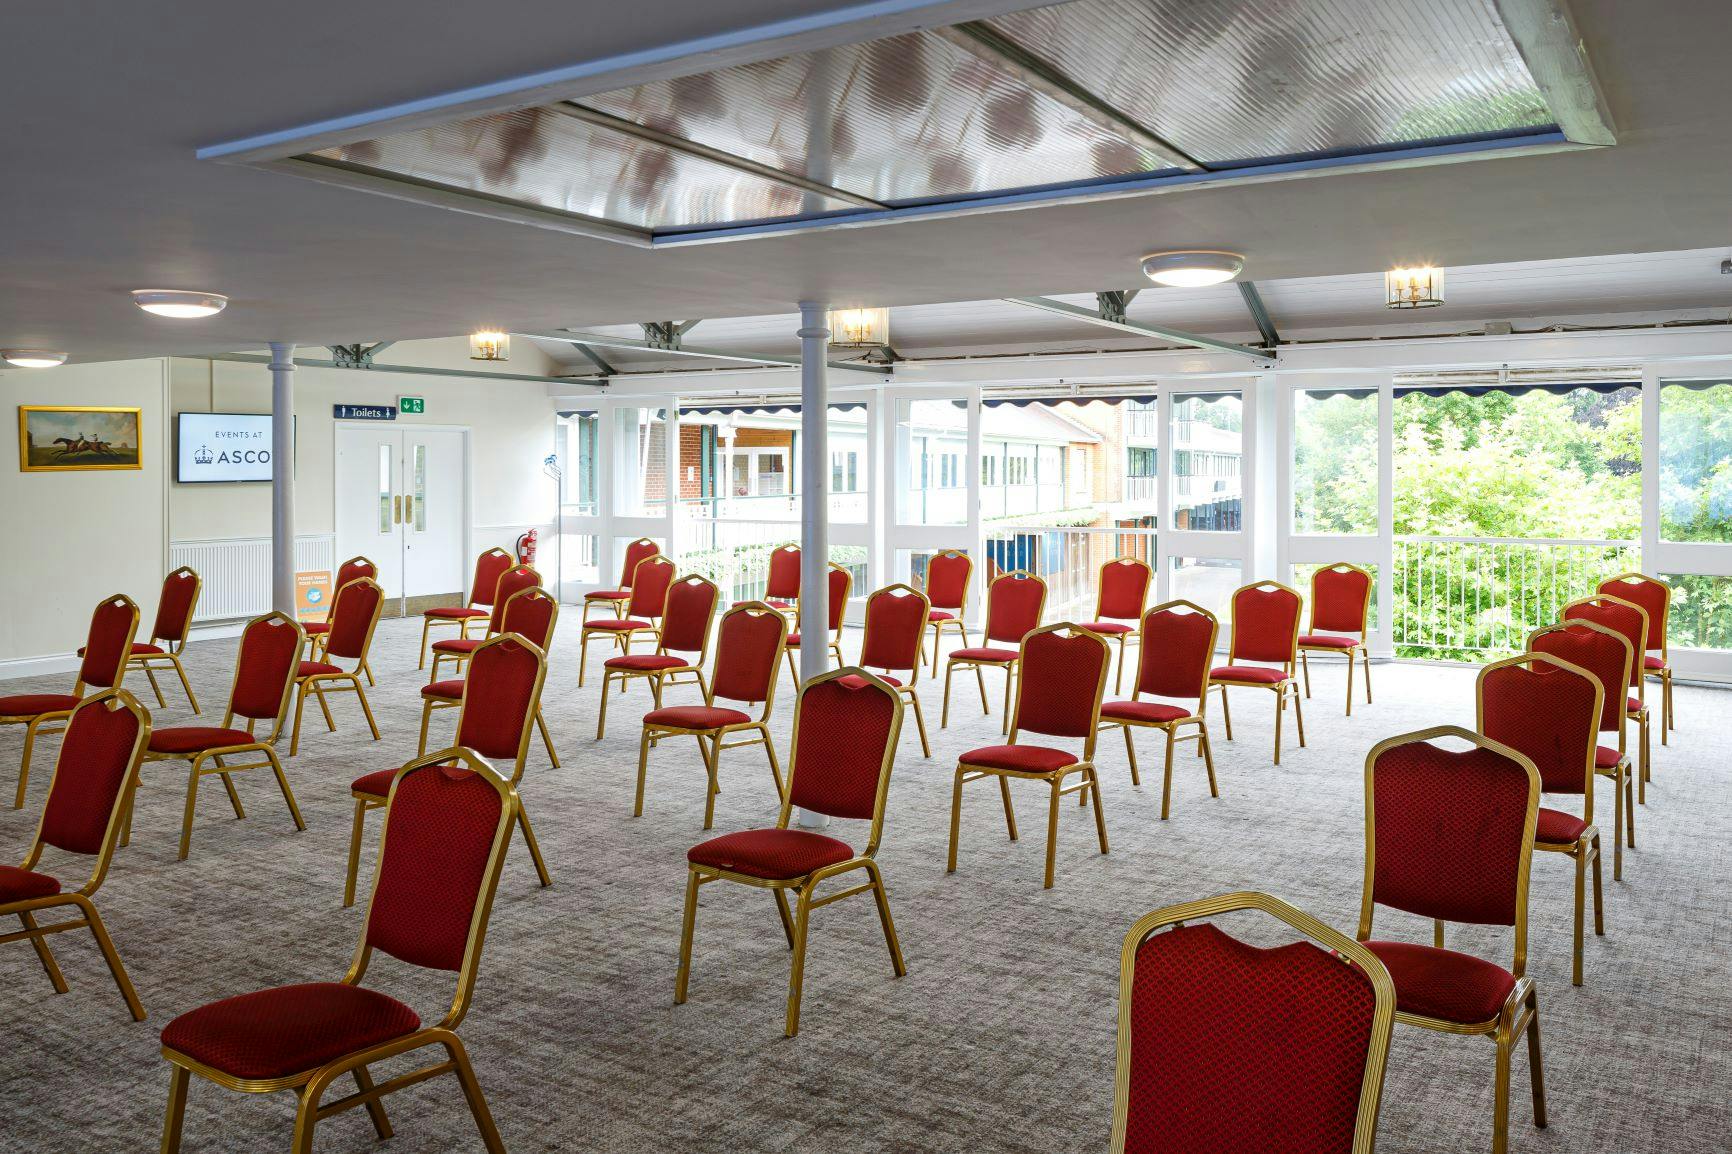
x=1112 y=627
x=1558 y=828
x=779 y=603
x=1248 y=674
x=792 y=642
x=309 y=668
x=645 y=661
x=1634 y=704
x=1606 y=757
x=32 y=704
x=1146 y=712
x=449 y=690
x=608 y=595
x=616 y=624
x=1329 y=641
x=1443 y=984
x=375 y=784
x=1022 y=758
x=196 y=738
x=463 y=645
x=455 y=613
x=139 y=648
x=18 y=885
x=983 y=653
x=855 y=681
x=695 y=717
x=314 y=628
x=289 y=1029
x=1654 y=663
x=770 y=853
x=940 y=615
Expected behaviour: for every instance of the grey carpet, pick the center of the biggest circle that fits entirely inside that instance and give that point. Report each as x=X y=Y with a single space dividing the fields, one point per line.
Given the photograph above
x=1000 y=1038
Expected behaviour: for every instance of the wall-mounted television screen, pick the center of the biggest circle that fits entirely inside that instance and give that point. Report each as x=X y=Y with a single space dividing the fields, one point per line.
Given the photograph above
x=211 y=447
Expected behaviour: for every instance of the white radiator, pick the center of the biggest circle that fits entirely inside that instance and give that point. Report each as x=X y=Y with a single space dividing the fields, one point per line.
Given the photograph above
x=237 y=571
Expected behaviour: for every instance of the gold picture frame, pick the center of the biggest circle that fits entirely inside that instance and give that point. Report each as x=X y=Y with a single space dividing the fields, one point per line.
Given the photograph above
x=76 y=438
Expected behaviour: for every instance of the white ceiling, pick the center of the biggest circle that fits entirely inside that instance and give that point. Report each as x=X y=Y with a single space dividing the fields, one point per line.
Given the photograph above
x=107 y=101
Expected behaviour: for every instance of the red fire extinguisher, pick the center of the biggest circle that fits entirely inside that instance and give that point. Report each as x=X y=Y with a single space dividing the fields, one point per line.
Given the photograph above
x=526 y=547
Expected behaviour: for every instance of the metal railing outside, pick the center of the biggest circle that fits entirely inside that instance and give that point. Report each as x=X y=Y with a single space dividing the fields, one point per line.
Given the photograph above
x=1068 y=558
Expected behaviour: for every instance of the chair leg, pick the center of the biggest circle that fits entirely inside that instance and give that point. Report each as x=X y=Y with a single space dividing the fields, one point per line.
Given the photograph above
x=173 y=1118
x=1581 y=859
x=426 y=627
x=797 y=972
x=688 y=924
x=783 y=914
x=43 y=953
x=1051 y=833
x=956 y=820
x=99 y=931
x=642 y=767
x=980 y=683
x=601 y=714
x=300 y=707
x=920 y=724
x=24 y=764
x=770 y=753
x=1093 y=778
x=1208 y=756
x=150 y=676
x=375 y=1108
x=712 y=754
x=1536 y=1066
x=1226 y=712
x=366 y=710
x=546 y=739
x=1305 y=664
x=943 y=718
x=1280 y=716
x=185 y=684
x=793 y=670
x=1599 y=911
x=283 y=784
x=1349 y=683
x=1299 y=718
x=1009 y=685
x=354 y=853
x=534 y=846
x=1618 y=826
x=1500 y=1092
x=367 y=668
x=1167 y=779
x=191 y=804
x=472 y=1094
x=1365 y=656
x=882 y=897
x=1131 y=755
x=426 y=716
x=582 y=655
x=1119 y=678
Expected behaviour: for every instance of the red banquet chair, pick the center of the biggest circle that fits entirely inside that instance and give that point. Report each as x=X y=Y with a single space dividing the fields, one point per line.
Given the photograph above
x=1224 y=1046
x=841 y=587
x=488 y=568
x=615 y=599
x=354 y=616
x=947 y=578
x=649 y=597
x=501 y=697
x=686 y=627
x=457 y=649
x=1549 y=711
x=1064 y=677
x=1265 y=629
x=748 y=646
x=1340 y=605
x=1119 y=601
x=87 y=796
x=531 y=614
x=174 y=610
x=895 y=626
x=265 y=670
x=782 y=583
x=447 y=822
x=103 y=663
x=1175 y=653
x=353 y=569
x=1014 y=604
x=1450 y=836
x=1654 y=596
x=1631 y=622
x=1605 y=654
x=846 y=723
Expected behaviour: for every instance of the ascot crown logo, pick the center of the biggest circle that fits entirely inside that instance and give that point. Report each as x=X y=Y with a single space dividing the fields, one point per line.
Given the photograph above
x=203 y=456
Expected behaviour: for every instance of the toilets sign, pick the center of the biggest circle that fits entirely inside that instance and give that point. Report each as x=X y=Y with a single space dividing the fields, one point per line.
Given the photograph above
x=364 y=412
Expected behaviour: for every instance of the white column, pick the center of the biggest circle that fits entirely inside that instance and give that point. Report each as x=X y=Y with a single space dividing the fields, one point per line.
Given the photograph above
x=283 y=477
x=815 y=499
x=1383 y=637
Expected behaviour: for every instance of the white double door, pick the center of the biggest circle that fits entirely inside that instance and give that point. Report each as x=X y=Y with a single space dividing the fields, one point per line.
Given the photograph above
x=400 y=495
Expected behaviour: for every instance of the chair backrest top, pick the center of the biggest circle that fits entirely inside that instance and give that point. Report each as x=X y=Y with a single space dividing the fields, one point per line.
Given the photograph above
x=947 y=574
x=1266 y=622
x=500 y=693
x=1124 y=587
x=1062 y=680
x=1014 y=603
x=1603 y=652
x=531 y=614
x=1652 y=594
x=895 y=622
x=1627 y=618
x=1549 y=710
x=489 y=567
x=174 y=608
x=650 y=582
x=105 y=740
x=265 y=667
x=635 y=552
x=783 y=580
x=749 y=643
x=113 y=626
x=511 y=582
x=1177 y=651
x=1340 y=598
x=354 y=615
x=691 y=612
x=846 y=724
x=1223 y=1045
x=356 y=566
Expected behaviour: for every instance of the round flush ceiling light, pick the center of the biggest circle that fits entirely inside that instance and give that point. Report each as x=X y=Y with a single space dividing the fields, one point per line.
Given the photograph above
x=33 y=358
x=182 y=304
x=1194 y=268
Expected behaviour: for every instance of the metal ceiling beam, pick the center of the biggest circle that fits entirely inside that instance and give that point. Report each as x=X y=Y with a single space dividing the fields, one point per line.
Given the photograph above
x=1078 y=313
x=416 y=370
x=1552 y=48
x=358 y=355
x=684 y=350
x=596 y=359
x=982 y=40
x=1259 y=313
x=668 y=140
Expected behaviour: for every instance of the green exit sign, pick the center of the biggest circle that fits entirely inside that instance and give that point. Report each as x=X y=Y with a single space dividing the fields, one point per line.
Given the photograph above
x=412 y=404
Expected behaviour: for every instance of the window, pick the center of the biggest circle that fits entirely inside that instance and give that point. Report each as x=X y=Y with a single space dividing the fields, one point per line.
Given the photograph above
x=1701 y=615
x=577 y=462
x=641 y=461
x=845 y=472
x=1140 y=462
x=932 y=454
x=1209 y=582
x=989 y=470
x=1334 y=461
x=1696 y=461
x=1208 y=449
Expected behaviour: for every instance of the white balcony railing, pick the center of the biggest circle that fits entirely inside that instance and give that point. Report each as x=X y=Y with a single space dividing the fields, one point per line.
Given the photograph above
x=1068 y=558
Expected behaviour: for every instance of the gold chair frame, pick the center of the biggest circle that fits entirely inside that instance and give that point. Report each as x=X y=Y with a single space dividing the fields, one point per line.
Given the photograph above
x=623 y=637
x=172 y=647
x=660 y=679
x=316 y=641
x=959 y=622
x=462 y=623
x=835 y=643
x=908 y=691
x=1171 y=728
x=794 y=925
x=590 y=598
x=310 y=1085
x=1637 y=684
x=429 y=704
x=1283 y=690
x=319 y=684
x=1100 y=598
x=1054 y=778
x=1362 y=651
x=1668 y=721
x=1010 y=667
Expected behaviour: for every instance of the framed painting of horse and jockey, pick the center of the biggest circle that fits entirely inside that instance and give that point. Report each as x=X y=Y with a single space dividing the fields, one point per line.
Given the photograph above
x=57 y=438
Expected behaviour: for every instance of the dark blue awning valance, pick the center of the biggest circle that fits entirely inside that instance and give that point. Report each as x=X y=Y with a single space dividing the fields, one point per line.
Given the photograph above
x=793 y=410
x=1556 y=388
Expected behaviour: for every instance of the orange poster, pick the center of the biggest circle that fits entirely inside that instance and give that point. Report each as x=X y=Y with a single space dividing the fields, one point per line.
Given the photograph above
x=313 y=595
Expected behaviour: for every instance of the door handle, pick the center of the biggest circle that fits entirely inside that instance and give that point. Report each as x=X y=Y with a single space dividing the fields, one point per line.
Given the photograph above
x=409 y=510
x=396 y=510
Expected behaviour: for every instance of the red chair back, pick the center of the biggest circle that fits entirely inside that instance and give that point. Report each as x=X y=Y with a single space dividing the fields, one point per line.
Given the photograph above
x=1547 y=710
x=1603 y=652
x=1266 y=623
x=1014 y=603
x=113 y=627
x=1340 y=599
x=1622 y=617
x=531 y=614
x=489 y=568
x=650 y=583
x=947 y=575
x=1652 y=594
x=356 y=567
x=748 y=645
x=1064 y=675
x=845 y=732
x=104 y=742
x=265 y=668
x=354 y=613
x=1124 y=589
x=1449 y=834
x=499 y=697
x=895 y=620
x=1178 y=650
x=439 y=857
x=691 y=609
x=1224 y=1046
x=783 y=581
x=511 y=582
x=180 y=591
x=841 y=584
x=640 y=550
